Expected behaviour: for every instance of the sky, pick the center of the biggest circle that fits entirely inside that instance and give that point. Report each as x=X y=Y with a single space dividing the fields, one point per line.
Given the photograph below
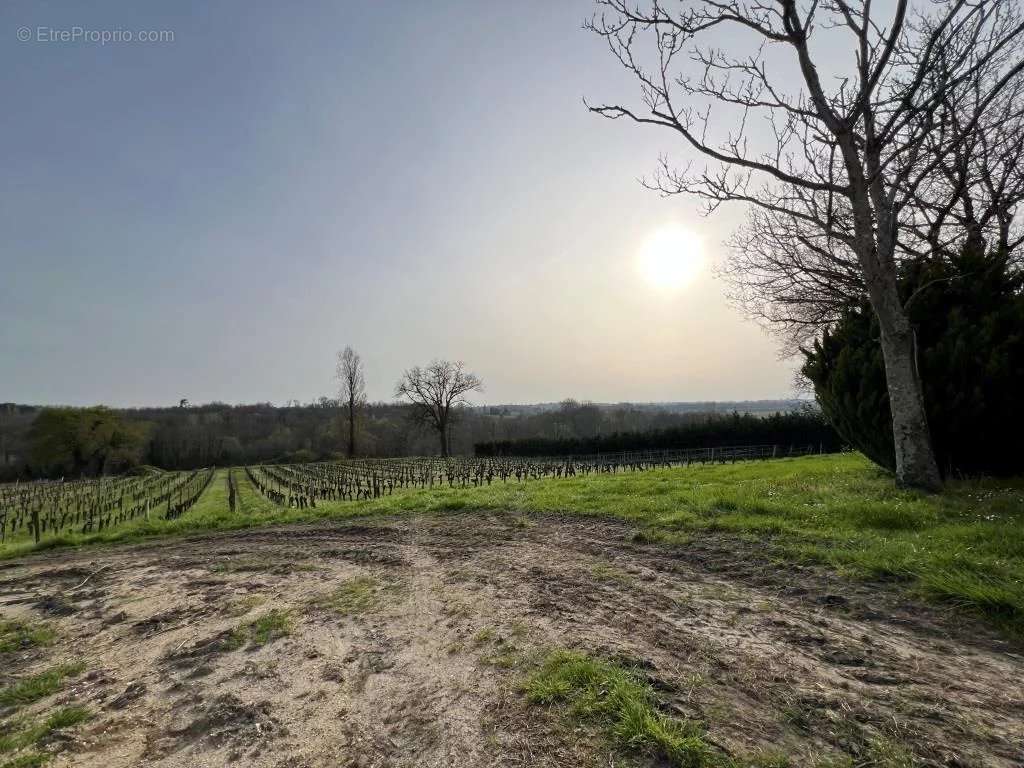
x=212 y=217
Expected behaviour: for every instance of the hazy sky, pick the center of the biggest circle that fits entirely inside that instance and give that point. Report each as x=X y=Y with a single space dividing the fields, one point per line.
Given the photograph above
x=214 y=217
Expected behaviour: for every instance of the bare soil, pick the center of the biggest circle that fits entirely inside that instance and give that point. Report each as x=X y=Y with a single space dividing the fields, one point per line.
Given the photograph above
x=426 y=671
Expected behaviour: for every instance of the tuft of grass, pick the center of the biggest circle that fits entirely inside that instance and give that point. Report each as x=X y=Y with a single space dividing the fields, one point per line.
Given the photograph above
x=41 y=685
x=605 y=571
x=771 y=759
x=885 y=753
x=484 y=636
x=361 y=594
x=28 y=760
x=240 y=607
x=16 y=635
x=67 y=717
x=622 y=704
x=29 y=735
x=263 y=629
x=508 y=657
x=999 y=600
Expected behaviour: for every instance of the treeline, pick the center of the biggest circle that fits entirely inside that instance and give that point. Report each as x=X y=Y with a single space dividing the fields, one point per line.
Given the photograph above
x=798 y=429
x=54 y=442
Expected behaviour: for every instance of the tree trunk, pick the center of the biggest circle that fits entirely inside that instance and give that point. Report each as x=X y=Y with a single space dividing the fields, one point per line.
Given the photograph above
x=351 y=428
x=442 y=431
x=915 y=459
x=876 y=243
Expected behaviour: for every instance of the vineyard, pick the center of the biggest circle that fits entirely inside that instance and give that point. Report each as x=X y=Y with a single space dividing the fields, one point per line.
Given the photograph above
x=302 y=485
x=86 y=506
x=52 y=508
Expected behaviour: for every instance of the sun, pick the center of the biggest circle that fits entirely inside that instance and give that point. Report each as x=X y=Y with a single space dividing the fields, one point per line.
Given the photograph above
x=670 y=258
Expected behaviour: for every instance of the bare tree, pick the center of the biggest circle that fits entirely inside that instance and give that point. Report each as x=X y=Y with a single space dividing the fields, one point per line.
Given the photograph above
x=435 y=391
x=844 y=176
x=352 y=390
x=798 y=279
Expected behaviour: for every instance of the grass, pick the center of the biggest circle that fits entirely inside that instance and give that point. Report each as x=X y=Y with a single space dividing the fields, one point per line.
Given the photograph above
x=622 y=705
x=242 y=606
x=484 y=636
x=17 y=635
x=38 y=686
x=604 y=571
x=30 y=734
x=964 y=546
x=619 y=703
x=263 y=629
x=354 y=596
x=210 y=513
x=885 y=753
x=29 y=760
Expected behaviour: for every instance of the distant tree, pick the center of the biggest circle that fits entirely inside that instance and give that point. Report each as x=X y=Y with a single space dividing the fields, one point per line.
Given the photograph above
x=183 y=403
x=352 y=390
x=434 y=391
x=85 y=440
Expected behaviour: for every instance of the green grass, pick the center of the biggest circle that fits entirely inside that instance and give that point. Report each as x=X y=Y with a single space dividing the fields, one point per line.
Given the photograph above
x=28 y=760
x=38 y=686
x=964 y=546
x=262 y=630
x=484 y=636
x=884 y=753
x=354 y=596
x=30 y=734
x=17 y=635
x=622 y=705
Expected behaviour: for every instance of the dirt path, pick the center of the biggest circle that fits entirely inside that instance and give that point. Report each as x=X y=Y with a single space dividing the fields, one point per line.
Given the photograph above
x=407 y=637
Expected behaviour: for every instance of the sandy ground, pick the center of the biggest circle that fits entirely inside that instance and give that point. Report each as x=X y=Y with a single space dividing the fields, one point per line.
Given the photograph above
x=426 y=672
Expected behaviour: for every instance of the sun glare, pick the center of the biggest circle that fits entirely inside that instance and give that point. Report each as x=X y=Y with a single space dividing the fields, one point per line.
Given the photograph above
x=670 y=258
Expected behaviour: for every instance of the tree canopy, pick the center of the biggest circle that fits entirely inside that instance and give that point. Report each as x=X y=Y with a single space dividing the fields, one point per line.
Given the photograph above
x=85 y=441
